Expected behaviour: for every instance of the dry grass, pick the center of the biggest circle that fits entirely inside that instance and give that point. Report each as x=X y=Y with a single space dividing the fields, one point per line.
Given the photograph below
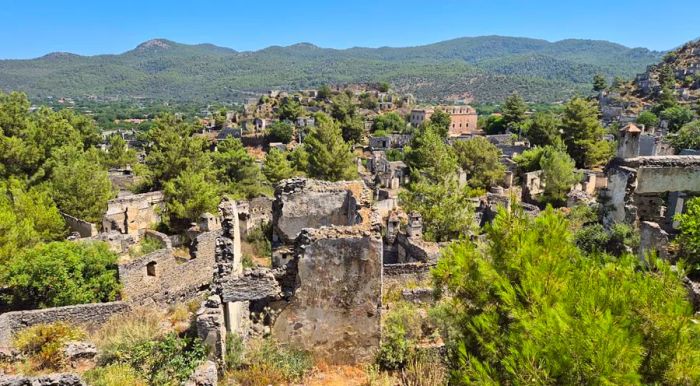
x=128 y=330
x=43 y=344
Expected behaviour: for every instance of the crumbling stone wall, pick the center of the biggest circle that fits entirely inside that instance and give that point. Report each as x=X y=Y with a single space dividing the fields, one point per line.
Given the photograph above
x=399 y=275
x=334 y=312
x=303 y=203
x=134 y=213
x=84 y=228
x=88 y=315
x=162 y=277
x=254 y=213
x=638 y=187
x=58 y=379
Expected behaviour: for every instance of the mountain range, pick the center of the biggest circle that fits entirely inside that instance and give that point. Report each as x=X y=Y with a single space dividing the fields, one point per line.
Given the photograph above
x=485 y=69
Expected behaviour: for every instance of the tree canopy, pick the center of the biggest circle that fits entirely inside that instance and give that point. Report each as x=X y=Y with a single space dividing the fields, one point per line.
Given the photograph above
x=481 y=160
x=330 y=157
x=60 y=274
x=528 y=307
x=583 y=133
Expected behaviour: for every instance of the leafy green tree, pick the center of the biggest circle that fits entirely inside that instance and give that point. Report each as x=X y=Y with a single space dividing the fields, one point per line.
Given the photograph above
x=188 y=196
x=677 y=117
x=617 y=83
x=330 y=158
x=220 y=118
x=390 y=122
x=481 y=160
x=299 y=159
x=527 y=307
x=281 y=131
x=583 y=133
x=529 y=160
x=118 y=153
x=666 y=100
x=27 y=217
x=648 y=119
x=599 y=82
x=558 y=174
x=324 y=92
x=80 y=186
x=689 y=226
x=667 y=77
x=353 y=129
x=383 y=87
x=277 y=167
x=290 y=109
x=430 y=156
x=441 y=121
x=514 y=111
x=60 y=274
x=688 y=137
x=445 y=207
x=343 y=107
x=493 y=124
x=543 y=129
x=237 y=170
x=172 y=150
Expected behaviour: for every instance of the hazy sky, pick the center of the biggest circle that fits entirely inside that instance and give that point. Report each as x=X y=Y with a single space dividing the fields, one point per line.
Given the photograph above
x=33 y=28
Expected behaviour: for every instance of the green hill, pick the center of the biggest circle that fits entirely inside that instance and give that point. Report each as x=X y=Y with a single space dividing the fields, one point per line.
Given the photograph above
x=486 y=68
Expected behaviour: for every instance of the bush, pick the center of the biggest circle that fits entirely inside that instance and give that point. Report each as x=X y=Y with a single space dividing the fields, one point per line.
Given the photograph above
x=260 y=238
x=114 y=375
x=689 y=226
x=168 y=361
x=401 y=331
x=280 y=131
x=60 y=274
x=234 y=351
x=43 y=343
x=145 y=246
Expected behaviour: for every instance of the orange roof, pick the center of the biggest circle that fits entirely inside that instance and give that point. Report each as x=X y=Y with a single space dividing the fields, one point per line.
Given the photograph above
x=631 y=128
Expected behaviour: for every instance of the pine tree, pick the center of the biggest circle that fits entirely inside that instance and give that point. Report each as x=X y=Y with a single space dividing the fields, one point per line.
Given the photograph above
x=514 y=109
x=599 y=82
x=583 y=133
x=330 y=158
x=277 y=167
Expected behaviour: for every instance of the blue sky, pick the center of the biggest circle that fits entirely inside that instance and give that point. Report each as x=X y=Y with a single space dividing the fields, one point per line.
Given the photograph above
x=33 y=28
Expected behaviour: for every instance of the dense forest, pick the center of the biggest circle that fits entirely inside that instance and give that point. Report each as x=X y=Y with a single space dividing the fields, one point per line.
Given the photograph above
x=483 y=68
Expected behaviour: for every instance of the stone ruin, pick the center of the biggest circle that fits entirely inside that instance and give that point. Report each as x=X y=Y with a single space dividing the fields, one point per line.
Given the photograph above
x=323 y=292
x=648 y=192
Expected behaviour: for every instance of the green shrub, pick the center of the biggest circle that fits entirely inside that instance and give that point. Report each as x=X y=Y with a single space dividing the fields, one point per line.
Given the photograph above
x=60 y=274
x=689 y=226
x=234 y=351
x=145 y=246
x=260 y=238
x=400 y=334
x=114 y=375
x=43 y=343
x=168 y=361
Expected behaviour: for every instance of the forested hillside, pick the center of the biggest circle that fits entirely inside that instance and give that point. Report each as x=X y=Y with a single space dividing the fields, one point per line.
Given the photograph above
x=483 y=68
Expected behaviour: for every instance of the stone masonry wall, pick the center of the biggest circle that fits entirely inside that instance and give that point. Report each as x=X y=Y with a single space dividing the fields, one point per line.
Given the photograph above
x=335 y=311
x=303 y=203
x=133 y=214
x=84 y=228
x=164 y=278
x=88 y=315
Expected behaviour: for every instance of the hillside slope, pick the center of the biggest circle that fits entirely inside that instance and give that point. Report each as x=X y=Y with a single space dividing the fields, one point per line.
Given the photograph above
x=484 y=68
